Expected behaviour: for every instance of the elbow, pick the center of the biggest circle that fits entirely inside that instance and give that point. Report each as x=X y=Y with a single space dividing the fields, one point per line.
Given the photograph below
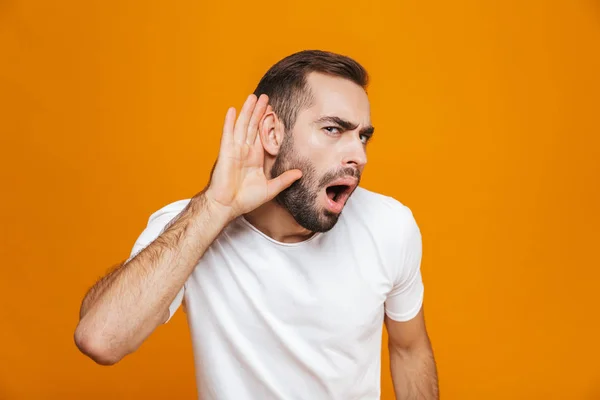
x=90 y=344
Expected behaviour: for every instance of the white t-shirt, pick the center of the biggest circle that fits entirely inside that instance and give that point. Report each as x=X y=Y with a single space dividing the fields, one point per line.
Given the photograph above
x=273 y=320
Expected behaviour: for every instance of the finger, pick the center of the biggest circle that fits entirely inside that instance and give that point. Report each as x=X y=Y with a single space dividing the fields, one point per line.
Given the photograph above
x=257 y=114
x=241 y=126
x=228 y=124
x=283 y=181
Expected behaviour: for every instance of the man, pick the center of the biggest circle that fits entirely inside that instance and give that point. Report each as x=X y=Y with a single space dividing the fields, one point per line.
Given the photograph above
x=287 y=268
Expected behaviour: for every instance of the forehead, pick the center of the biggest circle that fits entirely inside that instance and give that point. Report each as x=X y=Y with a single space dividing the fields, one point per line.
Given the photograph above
x=338 y=97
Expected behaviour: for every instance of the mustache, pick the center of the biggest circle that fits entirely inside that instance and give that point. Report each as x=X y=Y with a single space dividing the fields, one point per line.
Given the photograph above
x=340 y=173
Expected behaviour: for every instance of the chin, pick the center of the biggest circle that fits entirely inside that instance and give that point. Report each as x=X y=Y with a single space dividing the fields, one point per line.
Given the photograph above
x=314 y=221
x=331 y=219
x=315 y=211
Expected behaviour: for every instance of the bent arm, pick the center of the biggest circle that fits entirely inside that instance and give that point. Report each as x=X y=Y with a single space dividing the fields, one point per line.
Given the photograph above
x=412 y=363
x=126 y=306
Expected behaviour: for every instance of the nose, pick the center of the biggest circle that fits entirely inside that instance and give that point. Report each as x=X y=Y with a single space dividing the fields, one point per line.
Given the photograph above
x=355 y=154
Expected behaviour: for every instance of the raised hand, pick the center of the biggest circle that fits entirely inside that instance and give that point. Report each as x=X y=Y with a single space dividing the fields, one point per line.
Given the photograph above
x=238 y=181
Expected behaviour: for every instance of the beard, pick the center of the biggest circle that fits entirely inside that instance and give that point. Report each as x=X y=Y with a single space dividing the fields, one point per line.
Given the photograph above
x=300 y=199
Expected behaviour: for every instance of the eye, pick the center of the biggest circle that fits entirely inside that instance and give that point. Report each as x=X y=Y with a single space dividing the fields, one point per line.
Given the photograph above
x=365 y=138
x=332 y=130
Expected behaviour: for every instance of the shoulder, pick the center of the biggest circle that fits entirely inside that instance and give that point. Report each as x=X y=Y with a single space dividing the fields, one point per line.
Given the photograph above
x=386 y=226
x=168 y=211
x=381 y=212
x=156 y=224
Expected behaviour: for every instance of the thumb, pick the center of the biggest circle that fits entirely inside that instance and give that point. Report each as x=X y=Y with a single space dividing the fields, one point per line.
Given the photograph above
x=283 y=181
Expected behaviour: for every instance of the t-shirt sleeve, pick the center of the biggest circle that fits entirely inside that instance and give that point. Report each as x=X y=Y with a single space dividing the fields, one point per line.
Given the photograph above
x=406 y=297
x=157 y=224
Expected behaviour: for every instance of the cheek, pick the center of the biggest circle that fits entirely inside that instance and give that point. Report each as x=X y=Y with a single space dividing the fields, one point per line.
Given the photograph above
x=321 y=150
x=318 y=150
x=318 y=141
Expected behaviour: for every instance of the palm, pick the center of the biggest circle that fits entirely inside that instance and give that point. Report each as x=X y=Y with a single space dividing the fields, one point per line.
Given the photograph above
x=241 y=179
x=238 y=181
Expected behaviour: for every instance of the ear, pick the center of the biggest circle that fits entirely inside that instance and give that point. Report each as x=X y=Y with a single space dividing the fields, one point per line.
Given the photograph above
x=271 y=132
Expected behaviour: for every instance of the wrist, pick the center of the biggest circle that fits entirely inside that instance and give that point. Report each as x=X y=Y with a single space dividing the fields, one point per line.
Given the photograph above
x=203 y=203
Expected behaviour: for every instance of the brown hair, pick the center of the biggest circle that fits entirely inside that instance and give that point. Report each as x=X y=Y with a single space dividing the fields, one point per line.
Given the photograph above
x=285 y=82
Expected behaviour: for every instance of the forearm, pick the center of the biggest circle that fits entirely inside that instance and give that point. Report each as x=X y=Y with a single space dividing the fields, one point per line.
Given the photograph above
x=98 y=289
x=414 y=373
x=123 y=309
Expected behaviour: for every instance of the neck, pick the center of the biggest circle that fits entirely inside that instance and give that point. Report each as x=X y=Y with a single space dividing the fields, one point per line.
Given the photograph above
x=276 y=222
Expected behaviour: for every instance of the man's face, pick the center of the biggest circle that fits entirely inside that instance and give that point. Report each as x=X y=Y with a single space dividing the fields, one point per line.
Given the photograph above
x=327 y=143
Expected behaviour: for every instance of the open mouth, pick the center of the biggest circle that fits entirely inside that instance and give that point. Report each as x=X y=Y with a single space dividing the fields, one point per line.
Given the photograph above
x=338 y=193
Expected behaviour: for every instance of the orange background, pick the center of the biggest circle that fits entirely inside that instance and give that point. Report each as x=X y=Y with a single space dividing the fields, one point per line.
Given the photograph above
x=488 y=125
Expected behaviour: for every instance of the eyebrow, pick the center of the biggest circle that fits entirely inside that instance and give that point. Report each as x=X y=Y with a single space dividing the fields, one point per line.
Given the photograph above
x=346 y=125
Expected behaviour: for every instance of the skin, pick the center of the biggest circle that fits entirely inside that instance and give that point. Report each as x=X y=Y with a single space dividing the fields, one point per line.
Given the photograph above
x=258 y=160
x=321 y=148
x=127 y=305
x=412 y=363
